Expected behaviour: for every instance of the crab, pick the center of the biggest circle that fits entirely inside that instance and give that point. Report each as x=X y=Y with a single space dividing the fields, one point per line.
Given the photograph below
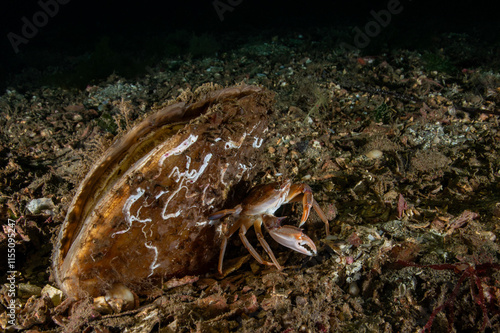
x=258 y=209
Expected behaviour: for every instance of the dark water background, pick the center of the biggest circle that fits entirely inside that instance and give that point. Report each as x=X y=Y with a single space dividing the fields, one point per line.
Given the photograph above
x=86 y=41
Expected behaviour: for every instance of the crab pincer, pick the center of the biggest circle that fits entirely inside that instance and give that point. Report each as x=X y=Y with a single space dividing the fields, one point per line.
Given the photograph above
x=290 y=236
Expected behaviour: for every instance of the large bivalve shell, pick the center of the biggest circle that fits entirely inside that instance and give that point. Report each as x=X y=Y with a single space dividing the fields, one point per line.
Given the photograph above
x=141 y=212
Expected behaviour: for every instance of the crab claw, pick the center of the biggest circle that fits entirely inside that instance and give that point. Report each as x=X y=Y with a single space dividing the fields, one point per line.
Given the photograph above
x=293 y=238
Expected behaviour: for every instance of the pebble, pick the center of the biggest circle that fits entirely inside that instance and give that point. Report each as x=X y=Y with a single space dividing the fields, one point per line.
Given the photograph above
x=53 y=293
x=374 y=154
x=27 y=290
x=353 y=289
x=36 y=206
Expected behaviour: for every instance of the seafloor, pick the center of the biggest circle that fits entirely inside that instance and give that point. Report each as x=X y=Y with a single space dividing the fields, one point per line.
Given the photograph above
x=400 y=149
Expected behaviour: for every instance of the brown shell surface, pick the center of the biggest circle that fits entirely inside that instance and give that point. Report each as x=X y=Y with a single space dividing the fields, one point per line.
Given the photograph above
x=141 y=212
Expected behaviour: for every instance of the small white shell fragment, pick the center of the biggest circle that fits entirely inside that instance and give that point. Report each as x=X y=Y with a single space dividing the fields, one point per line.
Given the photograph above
x=119 y=298
x=36 y=206
x=120 y=291
x=374 y=154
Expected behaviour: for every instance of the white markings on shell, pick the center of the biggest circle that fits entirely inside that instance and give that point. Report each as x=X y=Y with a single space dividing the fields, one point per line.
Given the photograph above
x=201 y=223
x=242 y=169
x=234 y=144
x=204 y=199
x=183 y=177
x=180 y=148
x=190 y=175
x=257 y=142
x=222 y=173
x=129 y=218
x=153 y=265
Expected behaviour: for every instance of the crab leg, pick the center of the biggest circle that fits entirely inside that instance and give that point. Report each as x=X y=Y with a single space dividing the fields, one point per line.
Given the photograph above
x=251 y=249
x=225 y=212
x=304 y=192
x=258 y=231
x=222 y=253
x=239 y=223
x=290 y=236
x=301 y=191
x=322 y=216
